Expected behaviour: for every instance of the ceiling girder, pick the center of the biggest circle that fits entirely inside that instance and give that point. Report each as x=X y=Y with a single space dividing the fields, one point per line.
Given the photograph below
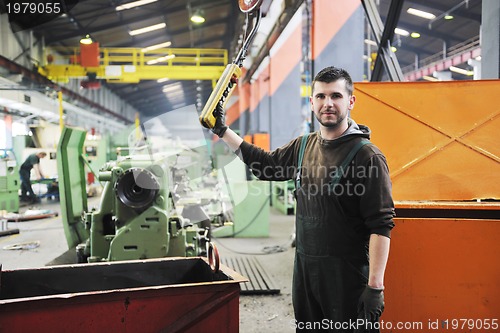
x=383 y=37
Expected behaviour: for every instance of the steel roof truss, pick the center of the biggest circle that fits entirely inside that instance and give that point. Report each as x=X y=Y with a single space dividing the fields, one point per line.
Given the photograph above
x=383 y=37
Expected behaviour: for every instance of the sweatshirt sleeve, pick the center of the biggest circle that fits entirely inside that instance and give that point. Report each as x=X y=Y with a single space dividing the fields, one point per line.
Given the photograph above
x=277 y=165
x=376 y=204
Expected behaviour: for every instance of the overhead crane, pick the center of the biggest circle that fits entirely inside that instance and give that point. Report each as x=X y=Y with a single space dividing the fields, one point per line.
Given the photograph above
x=131 y=65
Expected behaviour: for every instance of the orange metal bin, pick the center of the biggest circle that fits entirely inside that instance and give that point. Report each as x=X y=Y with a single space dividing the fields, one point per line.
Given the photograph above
x=441 y=144
x=156 y=295
x=443 y=273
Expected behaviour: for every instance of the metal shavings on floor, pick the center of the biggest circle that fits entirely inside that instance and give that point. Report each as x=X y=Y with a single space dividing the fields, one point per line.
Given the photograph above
x=23 y=246
x=259 y=281
x=31 y=214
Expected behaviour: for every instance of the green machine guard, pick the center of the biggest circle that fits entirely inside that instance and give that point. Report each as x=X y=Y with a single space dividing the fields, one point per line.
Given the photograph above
x=72 y=184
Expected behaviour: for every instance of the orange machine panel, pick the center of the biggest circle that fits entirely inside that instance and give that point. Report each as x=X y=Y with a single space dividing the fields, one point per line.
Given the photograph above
x=440 y=138
x=443 y=276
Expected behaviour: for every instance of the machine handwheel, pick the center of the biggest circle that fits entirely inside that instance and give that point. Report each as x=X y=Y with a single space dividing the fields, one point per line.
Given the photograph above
x=213 y=257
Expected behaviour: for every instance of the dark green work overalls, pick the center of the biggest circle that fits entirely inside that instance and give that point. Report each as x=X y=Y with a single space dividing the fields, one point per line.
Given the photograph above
x=331 y=262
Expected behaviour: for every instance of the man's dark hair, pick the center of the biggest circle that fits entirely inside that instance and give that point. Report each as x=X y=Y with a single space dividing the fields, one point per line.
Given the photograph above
x=332 y=74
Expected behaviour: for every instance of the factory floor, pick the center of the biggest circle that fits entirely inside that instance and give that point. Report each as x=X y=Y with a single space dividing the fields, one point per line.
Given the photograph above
x=41 y=241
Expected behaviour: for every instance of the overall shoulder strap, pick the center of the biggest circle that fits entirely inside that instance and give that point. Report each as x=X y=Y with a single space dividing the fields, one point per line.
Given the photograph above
x=352 y=153
x=301 y=157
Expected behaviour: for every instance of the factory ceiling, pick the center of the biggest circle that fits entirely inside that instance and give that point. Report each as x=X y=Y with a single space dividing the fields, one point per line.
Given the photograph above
x=224 y=24
x=454 y=28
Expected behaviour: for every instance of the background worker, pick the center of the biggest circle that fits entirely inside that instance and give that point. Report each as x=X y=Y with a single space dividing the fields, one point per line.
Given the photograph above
x=31 y=162
x=344 y=210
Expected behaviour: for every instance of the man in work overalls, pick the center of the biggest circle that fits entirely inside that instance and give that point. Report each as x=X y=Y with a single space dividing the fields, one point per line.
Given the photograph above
x=344 y=212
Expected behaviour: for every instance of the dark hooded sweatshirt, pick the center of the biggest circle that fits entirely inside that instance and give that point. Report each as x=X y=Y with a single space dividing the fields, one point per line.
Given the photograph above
x=364 y=191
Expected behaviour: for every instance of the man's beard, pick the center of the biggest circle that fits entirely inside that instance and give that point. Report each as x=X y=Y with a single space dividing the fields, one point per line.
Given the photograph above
x=331 y=123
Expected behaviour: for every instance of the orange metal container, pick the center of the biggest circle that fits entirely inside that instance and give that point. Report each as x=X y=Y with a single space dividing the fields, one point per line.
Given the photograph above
x=441 y=144
x=440 y=138
x=443 y=276
x=89 y=55
x=262 y=140
x=156 y=295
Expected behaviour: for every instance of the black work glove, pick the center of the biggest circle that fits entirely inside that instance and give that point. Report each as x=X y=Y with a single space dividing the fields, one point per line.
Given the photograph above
x=371 y=304
x=220 y=126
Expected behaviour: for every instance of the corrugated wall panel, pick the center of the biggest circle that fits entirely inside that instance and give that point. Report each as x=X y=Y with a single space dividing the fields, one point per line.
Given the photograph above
x=286 y=110
x=329 y=17
x=338 y=36
x=285 y=82
x=288 y=55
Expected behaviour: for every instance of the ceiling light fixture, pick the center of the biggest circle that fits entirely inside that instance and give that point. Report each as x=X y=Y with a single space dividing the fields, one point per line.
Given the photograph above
x=177 y=94
x=160 y=59
x=461 y=71
x=163 y=79
x=147 y=29
x=197 y=17
x=370 y=42
x=172 y=87
x=86 y=40
x=401 y=32
x=393 y=49
x=448 y=17
x=421 y=13
x=156 y=47
x=415 y=35
x=429 y=78
x=134 y=4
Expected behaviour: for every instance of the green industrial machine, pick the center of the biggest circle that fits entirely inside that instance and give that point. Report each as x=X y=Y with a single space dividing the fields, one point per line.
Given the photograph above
x=136 y=218
x=282 y=196
x=250 y=199
x=9 y=181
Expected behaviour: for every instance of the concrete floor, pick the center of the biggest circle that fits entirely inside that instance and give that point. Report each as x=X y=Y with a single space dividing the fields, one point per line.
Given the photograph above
x=48 y=232
x=258 y=313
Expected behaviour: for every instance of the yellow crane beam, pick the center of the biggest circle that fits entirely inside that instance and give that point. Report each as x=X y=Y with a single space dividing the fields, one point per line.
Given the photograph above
x=131 y=65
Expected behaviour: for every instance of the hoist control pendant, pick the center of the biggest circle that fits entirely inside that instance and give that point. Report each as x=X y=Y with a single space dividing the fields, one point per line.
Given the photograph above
x=220 y=95
x=227 y=83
